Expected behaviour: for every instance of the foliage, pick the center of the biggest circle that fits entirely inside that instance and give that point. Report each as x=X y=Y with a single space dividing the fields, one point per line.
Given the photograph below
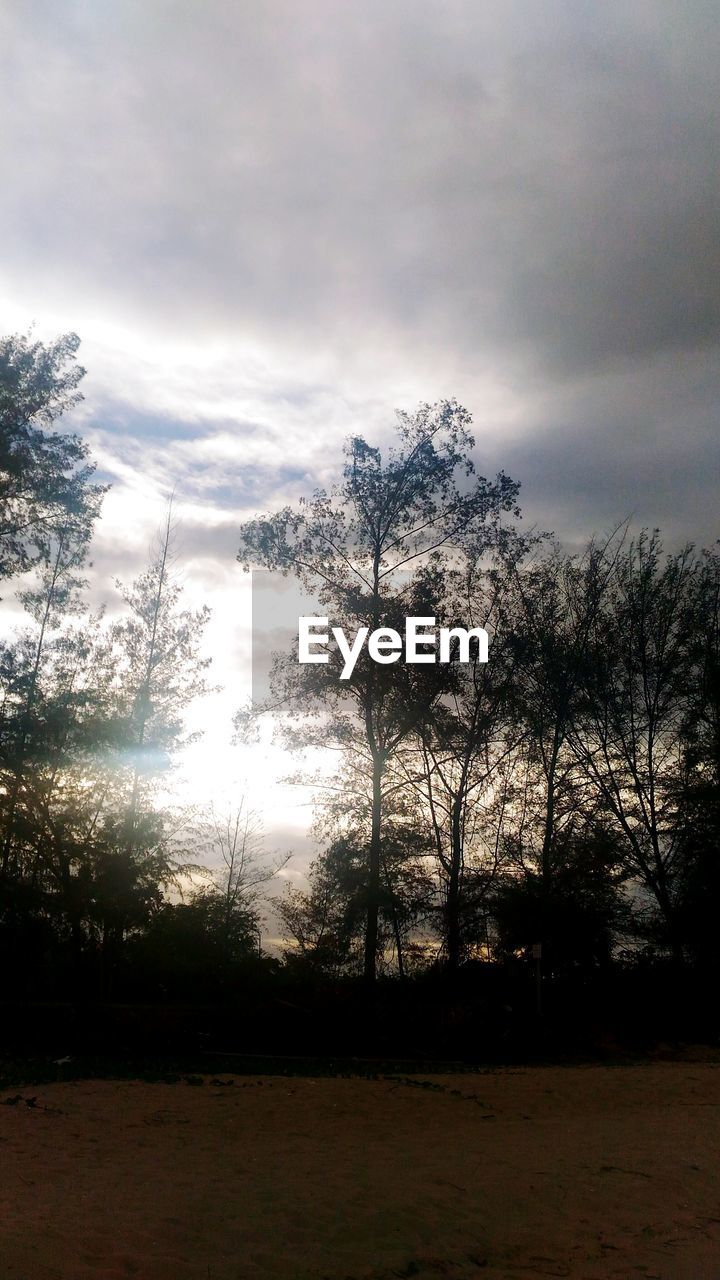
x=575 y=916
x=44 y=476
x=364 y=548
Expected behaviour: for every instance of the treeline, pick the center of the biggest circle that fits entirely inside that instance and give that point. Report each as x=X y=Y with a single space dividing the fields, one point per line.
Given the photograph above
x=551 y=813
x=559 y=802
x=103 y=883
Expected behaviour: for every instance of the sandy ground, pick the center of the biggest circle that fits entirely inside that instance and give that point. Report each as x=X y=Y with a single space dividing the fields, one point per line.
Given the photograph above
x=588 y=1172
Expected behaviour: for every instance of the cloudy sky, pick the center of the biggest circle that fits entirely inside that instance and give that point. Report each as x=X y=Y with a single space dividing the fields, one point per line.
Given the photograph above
x=273 y=222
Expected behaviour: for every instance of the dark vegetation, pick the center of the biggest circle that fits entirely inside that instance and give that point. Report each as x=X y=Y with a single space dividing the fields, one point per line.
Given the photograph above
x=519 y=858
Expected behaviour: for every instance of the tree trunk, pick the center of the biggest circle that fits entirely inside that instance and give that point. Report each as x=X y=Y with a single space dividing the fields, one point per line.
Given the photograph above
x=374 y=863
x=667 y=908
x=546 y=867
x=453 y=890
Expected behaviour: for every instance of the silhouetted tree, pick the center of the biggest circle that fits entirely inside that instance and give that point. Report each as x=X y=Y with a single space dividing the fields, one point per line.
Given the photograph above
x=237 y=839
x=698 y=876
x=456 y=761
x=574 y=915
x=629 y=737
x=554 y=608
x=349 y=546
x=194 y=949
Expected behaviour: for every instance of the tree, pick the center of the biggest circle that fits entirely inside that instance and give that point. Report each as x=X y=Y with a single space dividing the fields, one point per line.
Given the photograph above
x=237 y=837
x=457 y=760
x=350 y=547
x=629 y=735
x=324 y=921
x=698 y=875
x=555 y=606
x=45 y=477
x=160 y=669
x=192 y=949
x=54 y=598
x=575 y=914
x=702 y=727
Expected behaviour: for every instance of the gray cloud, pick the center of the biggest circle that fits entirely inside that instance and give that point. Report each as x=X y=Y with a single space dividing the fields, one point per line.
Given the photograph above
x=382 y=199
x=539 y=180
x=639 y=444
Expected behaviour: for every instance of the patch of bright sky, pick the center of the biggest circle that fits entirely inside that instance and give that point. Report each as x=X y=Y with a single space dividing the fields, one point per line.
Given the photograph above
x=228 y=433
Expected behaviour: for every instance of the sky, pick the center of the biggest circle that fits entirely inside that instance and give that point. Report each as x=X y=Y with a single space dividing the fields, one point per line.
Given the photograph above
x=273 y=223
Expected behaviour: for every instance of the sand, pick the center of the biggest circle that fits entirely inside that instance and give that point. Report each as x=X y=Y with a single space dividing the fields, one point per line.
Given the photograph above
x=588 y=1172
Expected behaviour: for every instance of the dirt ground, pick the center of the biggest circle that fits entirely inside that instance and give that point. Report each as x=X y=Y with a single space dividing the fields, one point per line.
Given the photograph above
x=589 y=1172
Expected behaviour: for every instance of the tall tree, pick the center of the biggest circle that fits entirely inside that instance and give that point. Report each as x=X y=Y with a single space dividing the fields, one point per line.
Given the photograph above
x=554 y=607
x=350 y=546
x=629 y=738
x=160 y=668
x=698 y=816
x=458 y=761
